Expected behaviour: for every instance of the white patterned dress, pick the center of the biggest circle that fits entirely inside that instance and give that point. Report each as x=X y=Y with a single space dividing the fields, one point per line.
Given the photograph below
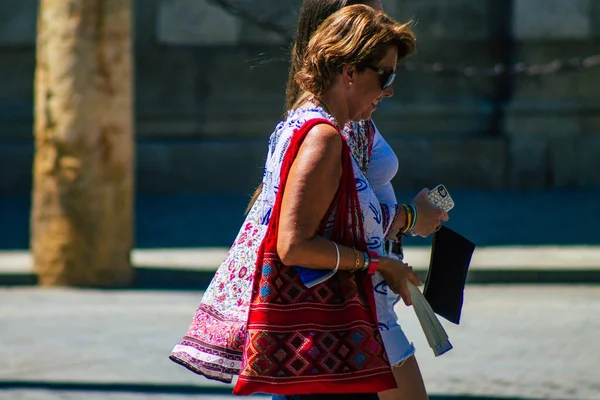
x=214 y=341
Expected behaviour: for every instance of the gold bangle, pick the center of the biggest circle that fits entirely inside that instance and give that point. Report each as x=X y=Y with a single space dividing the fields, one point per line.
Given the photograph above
x=409 y=218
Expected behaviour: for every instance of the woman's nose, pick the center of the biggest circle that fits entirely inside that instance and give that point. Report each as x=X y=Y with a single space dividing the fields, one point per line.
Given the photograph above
x=389 y=91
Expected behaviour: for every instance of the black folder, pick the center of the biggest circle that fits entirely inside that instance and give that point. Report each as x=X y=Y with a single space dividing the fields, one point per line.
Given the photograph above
x=450 y=259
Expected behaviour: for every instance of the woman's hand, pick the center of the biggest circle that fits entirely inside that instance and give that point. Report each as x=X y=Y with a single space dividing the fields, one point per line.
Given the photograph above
x=429 y=217
x=396 y=273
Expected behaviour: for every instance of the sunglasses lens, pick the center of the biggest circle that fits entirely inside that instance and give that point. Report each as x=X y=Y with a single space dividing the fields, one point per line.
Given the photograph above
x=388 y=81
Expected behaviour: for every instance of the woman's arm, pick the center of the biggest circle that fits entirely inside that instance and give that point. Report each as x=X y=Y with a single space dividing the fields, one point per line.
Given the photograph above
x=394 y=219
x=428 y=218
x=312 y=183
x=311 y=186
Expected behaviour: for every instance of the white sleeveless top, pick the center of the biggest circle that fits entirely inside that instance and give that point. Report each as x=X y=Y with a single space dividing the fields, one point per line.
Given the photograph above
x=383 y=166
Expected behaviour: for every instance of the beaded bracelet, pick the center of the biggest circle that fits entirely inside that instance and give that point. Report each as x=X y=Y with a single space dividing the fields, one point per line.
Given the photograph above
x=373 y=263
x=414 y=220
x=410 y=217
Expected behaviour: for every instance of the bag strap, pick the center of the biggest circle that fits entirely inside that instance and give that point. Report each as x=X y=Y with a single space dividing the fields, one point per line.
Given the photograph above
x=345 y=200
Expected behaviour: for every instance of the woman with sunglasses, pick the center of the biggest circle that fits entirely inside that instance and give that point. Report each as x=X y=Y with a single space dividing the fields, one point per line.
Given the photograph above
x=379 y=163
x=292 y=310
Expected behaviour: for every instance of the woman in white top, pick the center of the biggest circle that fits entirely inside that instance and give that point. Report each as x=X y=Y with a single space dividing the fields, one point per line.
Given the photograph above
x=383 y=166
x=378 y=161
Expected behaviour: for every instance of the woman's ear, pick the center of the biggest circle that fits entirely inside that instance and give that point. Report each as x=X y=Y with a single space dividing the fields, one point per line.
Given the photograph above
x=348 y=73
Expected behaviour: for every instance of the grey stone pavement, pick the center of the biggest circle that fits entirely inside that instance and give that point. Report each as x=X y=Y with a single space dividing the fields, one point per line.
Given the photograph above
x=514 y=341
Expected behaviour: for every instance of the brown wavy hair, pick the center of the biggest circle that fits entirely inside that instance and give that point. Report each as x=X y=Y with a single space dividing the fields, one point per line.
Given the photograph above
x=312 y=14
x=355 y=35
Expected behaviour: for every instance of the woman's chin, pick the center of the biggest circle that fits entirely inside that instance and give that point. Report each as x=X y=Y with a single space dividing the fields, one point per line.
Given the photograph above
x=366 y=115
x=363 y=116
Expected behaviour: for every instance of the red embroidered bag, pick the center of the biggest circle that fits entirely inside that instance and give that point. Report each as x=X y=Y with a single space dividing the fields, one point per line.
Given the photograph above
x=319 y=340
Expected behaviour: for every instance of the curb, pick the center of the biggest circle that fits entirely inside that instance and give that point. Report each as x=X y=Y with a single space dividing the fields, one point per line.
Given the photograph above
x=198 y=280
x=193 y=269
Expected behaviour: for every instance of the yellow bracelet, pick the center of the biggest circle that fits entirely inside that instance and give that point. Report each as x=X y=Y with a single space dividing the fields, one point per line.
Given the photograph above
x=409 y=218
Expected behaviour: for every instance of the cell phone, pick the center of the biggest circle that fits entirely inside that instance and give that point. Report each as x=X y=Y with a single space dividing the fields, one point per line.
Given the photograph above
x=440 y=197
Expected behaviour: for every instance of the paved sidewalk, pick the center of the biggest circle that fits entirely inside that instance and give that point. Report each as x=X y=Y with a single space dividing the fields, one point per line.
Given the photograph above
x=525 y=342
x=194 y=268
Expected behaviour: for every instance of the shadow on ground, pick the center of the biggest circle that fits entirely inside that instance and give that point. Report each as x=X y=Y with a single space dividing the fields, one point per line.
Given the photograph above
x=168 y=278
x=166 y=389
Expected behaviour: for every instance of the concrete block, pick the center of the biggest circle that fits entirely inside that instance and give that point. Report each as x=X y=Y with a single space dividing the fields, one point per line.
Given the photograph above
x=595 y=19
x=280 y=16
x=242 y=98
x=578 y=85
x=17 y=68
x=543 y=124
x=528 y=162
x=18 y=20
x=16 y=129
x=251 y=34
x=432 y=120
x=574 y=161
x=16 y=166
x=243 y=74
x=195 y=22
x=551 y=19
x=443 y=19
x=586 y=85
x=238 y=126
x=209 y=167
x=588 y=154
x=564 y=162
x=144 y=15
x=459 y=164
x=590 y=120
x=169 y=82
x=542 y=119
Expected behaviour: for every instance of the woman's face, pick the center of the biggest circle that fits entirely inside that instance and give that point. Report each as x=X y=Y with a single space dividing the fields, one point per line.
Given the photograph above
x=377 y=5
x=367 y=89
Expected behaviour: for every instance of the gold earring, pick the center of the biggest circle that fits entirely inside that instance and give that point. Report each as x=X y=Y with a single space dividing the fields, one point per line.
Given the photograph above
x=350 y=83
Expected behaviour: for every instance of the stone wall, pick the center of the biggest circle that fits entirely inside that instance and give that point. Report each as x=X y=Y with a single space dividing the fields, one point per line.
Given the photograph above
x=553 y=121
x=210 y=87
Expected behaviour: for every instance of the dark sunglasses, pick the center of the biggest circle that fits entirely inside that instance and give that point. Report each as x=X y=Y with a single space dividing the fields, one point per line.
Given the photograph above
x=386 y=78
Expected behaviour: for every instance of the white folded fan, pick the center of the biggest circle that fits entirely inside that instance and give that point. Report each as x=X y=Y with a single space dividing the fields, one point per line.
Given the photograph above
x=433 y=329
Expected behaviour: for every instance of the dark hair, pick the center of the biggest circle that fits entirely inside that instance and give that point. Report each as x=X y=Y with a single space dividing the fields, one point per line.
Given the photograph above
x=312 y=14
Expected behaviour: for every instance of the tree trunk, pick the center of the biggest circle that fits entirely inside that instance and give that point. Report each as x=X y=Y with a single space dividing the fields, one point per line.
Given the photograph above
x=83 y=168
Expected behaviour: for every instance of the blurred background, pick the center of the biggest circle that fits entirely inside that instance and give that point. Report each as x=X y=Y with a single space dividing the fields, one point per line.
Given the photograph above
x=500 y=101
x=501 y=104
